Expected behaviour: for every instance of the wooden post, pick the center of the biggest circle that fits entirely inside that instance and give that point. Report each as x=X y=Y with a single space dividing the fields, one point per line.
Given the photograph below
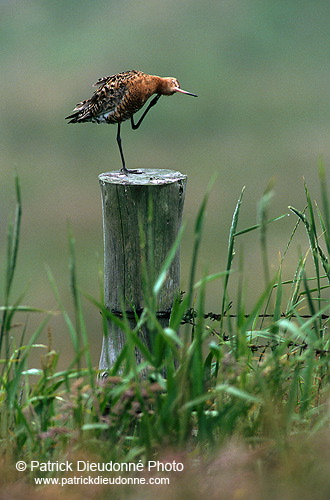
x=125 y=204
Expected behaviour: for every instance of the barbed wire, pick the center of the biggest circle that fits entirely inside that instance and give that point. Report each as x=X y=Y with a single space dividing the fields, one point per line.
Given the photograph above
x=191 y=315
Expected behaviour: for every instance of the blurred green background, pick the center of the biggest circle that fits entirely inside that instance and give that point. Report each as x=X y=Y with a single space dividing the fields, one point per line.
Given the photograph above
x=261 y=69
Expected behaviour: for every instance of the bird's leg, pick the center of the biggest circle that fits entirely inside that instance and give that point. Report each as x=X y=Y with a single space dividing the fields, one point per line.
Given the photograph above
x=120 y=148
x=124 y=169
x=151 y=104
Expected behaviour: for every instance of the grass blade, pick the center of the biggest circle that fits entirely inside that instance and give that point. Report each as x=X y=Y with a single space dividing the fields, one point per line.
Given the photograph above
x=230 y=252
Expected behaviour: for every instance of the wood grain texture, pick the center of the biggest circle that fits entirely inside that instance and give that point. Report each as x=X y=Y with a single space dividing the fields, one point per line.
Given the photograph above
x=126 y=203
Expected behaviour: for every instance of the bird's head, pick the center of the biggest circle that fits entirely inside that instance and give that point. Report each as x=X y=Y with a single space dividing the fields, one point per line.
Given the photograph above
x=170 y=86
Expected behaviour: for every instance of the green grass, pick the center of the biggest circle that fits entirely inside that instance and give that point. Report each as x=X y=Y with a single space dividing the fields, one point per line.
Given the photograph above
x=258 y=378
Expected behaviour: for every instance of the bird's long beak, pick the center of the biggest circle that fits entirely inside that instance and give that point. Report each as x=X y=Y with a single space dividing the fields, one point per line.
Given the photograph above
x=177 y=89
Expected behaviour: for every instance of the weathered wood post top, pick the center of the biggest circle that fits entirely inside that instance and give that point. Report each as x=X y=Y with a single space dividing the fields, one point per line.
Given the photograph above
x=148 y=176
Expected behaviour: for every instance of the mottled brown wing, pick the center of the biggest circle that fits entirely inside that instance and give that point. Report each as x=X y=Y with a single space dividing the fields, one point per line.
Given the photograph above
x=111 y=102
x=103 y=103
x=102 y=80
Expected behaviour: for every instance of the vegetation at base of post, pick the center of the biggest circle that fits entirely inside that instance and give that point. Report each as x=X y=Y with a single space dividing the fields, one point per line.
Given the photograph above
x=259 y=379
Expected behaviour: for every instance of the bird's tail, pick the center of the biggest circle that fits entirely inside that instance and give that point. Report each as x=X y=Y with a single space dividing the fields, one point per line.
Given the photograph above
x=80 y=113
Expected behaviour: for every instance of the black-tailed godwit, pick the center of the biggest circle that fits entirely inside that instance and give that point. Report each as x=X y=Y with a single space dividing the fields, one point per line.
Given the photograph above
x=119 y=96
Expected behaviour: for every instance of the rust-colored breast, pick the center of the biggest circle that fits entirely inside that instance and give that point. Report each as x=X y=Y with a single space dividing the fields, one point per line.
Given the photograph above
x=125 y=95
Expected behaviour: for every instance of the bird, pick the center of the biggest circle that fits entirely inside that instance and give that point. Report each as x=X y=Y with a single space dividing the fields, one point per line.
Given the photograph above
x=119 y=97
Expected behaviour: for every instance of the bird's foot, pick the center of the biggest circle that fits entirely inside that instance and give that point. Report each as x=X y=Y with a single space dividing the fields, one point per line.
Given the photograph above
x=127 y=171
